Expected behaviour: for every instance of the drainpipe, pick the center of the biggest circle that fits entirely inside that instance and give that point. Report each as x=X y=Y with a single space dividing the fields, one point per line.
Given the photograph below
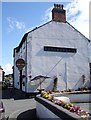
x=66 y=75
x=20 y=79
x=90 y=71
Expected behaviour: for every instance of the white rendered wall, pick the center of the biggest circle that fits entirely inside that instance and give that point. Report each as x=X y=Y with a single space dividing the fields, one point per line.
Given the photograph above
x=1 y=74
x=43 y=112
x=42 y=62
x=20 y=54
x=70 y=67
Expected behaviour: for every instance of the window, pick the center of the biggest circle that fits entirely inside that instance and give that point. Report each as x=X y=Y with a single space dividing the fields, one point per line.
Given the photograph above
x=60 y=49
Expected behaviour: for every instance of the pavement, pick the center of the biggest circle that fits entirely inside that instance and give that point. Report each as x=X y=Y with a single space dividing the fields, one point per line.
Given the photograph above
x=18 y=105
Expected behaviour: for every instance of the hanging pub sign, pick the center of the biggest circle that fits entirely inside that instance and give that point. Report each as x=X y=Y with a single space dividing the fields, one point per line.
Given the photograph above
x=20 y=63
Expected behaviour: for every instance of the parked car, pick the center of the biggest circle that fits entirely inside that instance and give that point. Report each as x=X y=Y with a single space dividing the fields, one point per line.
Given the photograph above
x=2 y=111
x=11 y=83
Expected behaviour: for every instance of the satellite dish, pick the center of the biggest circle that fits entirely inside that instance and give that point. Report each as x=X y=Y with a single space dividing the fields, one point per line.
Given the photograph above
x=38 y=80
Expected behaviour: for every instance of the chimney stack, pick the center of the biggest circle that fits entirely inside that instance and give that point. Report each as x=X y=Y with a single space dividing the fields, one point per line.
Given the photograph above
x=58 y=13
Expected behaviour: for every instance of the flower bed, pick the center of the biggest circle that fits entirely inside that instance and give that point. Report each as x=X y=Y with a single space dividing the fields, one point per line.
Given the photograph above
x=67 y=105
x=81 y=89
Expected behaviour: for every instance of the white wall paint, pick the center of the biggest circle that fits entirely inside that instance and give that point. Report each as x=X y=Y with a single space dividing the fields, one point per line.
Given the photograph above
x=40 y=62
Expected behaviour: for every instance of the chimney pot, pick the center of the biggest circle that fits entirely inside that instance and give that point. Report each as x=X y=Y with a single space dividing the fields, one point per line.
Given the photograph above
x=62 y=7
x=58 y=13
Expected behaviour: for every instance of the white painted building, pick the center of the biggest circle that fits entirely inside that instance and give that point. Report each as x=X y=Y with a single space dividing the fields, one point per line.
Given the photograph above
x=1 y=74
x=55 y=48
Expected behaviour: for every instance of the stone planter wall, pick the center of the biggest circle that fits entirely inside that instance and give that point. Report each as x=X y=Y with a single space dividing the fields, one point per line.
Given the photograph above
x=47 y=109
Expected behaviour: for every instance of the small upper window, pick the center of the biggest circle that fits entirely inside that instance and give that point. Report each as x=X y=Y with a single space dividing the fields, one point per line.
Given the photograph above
x=60 y=49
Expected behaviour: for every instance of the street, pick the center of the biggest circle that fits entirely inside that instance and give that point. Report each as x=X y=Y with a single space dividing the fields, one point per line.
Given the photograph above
x=18 y=106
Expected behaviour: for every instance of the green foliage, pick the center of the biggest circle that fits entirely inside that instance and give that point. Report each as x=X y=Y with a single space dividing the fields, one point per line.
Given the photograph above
x=8 y=77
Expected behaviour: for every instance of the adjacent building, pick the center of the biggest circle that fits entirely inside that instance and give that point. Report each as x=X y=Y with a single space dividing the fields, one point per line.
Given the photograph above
x=54 y=49
x=1 y=74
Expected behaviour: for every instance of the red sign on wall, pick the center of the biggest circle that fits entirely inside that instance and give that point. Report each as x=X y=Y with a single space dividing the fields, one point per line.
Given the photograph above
x=20 y=63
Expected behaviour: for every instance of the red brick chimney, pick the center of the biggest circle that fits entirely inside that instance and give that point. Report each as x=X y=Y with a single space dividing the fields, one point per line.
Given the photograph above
x=58 y=13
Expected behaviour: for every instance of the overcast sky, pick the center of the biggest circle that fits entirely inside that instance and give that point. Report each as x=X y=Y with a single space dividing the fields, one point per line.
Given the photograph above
x=20 y=17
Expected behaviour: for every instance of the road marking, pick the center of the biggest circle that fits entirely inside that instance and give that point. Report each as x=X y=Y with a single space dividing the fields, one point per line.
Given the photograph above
x=14 y=113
